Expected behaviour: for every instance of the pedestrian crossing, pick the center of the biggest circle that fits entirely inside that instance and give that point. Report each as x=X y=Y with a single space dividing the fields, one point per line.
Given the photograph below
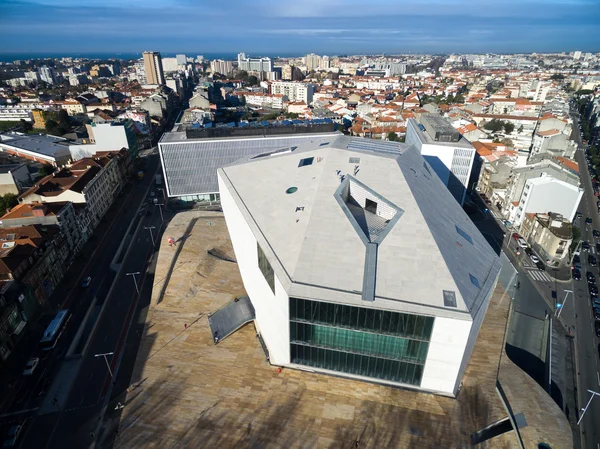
x=538 y=275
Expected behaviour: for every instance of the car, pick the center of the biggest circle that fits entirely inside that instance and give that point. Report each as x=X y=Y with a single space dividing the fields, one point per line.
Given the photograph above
x=596 y=313
x=578 y=214
x=588 y=220
x=577 y=265
x=534 y=258
x=576 y=258
x=593 y=289
x=598 y=247
x=86 y=282
x=595 y=301
x=152 y=193
x=516 y=236
x=585 y=245
x=596 y=234
x=590 y=277
x=576 y=274
x=597 y=328
x=592 y=260
x=522 y=243
x=32 y=364
x=13 y=435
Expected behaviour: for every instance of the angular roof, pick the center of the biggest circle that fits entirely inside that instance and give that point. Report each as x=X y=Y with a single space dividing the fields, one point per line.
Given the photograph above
x=350 y=194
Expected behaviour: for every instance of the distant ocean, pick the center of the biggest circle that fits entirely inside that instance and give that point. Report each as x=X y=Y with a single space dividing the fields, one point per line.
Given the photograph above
x=9 y=57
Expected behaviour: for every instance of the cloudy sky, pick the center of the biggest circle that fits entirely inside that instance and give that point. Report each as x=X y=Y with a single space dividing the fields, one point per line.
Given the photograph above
x=289 y=28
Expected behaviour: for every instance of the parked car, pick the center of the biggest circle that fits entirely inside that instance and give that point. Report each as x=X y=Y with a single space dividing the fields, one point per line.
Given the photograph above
x=86 y=282
x=522 y=243
x=31 y=366
x=593 y=289
x=13 y=435
x=585 y=245
x=596 y=234
x=590 y=277
x=578 y=215
x=534 y=258
x=516 y=236
x=588 y=220
x=592 y=260
x=596 y=312
x=597 y=328
x=576 y=258
x=576 y=273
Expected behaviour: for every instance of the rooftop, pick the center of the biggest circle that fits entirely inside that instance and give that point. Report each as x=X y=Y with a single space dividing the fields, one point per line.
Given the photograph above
x=432 y=130
x=36 y=143
x=311 y=217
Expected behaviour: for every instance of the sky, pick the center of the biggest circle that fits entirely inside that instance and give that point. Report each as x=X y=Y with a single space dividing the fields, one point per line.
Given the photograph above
x=288 y=28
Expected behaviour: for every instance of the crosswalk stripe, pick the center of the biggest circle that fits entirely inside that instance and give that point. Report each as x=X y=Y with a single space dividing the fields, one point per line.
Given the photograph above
x=539 y=276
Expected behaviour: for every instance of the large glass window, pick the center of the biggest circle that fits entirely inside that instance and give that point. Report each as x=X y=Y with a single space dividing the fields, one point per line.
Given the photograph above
x=368 y=342
x=265 y=268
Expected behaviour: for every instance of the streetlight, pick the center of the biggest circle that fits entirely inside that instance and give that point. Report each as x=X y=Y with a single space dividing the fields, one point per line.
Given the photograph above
x=106 y=360
x=150 y=228
x=160 y=209
x=134 y=281
x=562 y=306
x=588 y=404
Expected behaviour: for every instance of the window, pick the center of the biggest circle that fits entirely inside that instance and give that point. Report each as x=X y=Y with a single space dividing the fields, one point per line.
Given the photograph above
x=354 y=160
x=265 y=268
x=306 y=161
x=466 y=236
x=474 y=281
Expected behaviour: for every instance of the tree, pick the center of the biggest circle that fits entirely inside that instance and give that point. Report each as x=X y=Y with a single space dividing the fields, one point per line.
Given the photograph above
x=392 y=136
x=557 y=76
x=508 y=127
x=494 y=125
x=507 y=142
x=252 y=80
x=7 y=201
x=520 y=130
x=459 y=98
x=52 y=127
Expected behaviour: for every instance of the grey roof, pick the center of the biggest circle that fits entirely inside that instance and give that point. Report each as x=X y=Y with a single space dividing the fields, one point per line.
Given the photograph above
x=36 y=143
x=190 y=167
x=428 y=258
x=425 y=138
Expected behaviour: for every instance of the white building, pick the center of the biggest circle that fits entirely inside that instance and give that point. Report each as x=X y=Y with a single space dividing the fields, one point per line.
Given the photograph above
x=294 y=91
x=254 y=64
x=360 y=264
x=47 y=74
x=170 y=64
x=222 y=67
x=449 y=153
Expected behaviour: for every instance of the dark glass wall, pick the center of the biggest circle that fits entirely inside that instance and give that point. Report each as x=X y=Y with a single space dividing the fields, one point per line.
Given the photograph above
x=266 y=268
x=368 y=342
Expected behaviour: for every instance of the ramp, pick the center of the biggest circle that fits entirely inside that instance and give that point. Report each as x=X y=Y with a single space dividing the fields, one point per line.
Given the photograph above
x=230 y=318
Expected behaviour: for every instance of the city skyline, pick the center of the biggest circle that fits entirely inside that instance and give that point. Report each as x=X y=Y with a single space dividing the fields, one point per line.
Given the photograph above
x=327 y=27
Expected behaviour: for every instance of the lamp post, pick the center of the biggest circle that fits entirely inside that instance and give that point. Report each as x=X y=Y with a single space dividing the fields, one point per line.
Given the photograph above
x=150 y=228
x=106 y=360
x=562 y=306
x=160 y=205
x=134 y=281
x=588 y=404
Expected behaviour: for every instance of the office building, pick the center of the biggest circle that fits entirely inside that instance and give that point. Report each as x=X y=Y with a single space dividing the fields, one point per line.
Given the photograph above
x=358 y=262
x=446 y=150
x=294 y=91
x=47 y=74
x=153 y=68
x=254 y=64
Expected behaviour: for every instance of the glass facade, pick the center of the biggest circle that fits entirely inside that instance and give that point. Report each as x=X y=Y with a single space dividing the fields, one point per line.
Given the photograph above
x=266 y=268
x=367 y=342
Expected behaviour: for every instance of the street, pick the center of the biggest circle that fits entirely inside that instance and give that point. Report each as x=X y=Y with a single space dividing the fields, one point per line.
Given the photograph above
x=72 y=421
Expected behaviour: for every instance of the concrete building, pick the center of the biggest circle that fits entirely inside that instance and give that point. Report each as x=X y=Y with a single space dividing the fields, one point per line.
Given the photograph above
x=222 y=67
x=312 y=61
x=542 y=187
x=554 y=143
x=153 y=68
x=170 y=65
x=550 y=235
x=334 y=262
x=14 y=178
x=446 y=150
x=108 y=136
x=47 y=74
x=190 y=156
x=254 y=64
x=294 y=91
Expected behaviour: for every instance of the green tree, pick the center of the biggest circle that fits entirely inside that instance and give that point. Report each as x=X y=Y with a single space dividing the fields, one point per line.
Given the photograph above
x=508 y=127
x=557 y=76
x=46 y=170
x=507 y=142
x=520 y=130
x=494 y=125
x=392 y=136
x=7 y=201
x=459 y=98
x=252 y=80
x=52 y=127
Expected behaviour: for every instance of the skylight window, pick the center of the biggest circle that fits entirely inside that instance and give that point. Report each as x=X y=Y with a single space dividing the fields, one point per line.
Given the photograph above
x=449 y=298
x=354 y=160
x=466 y=236
x=306 y=161
x=474 y=281
x=323 y=144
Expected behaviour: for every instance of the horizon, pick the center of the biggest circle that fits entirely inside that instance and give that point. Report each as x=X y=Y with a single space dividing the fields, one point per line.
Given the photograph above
x=316 y=26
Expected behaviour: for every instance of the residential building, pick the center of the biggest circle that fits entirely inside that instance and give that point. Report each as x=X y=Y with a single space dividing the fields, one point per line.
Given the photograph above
x=47 y=74
x=550 y=235
x=169 y=65
x=17 y=306
x=89 y=182
x=294 y=91
x=222 y=67
x=265 y=100
x=108 y=136
x=191 y=156
x=334 y=262
x=554 y=143
x=153 y=68
x=14 y=178
x=312 y=61
x=446 y=150
x=181 y=59
x=542 y=187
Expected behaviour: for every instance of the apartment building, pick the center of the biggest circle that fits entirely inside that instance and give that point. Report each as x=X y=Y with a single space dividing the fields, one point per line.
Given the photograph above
x=294 y=91
x=222 y=67
x=549 y=234
x=153 y=68
x=333 y=262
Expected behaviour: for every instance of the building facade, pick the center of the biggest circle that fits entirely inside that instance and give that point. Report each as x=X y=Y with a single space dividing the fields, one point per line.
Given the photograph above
x=294 y=91
x=153 y=68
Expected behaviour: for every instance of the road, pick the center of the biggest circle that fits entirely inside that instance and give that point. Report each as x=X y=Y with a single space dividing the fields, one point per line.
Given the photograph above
x=586 y=340
x=75 y=419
